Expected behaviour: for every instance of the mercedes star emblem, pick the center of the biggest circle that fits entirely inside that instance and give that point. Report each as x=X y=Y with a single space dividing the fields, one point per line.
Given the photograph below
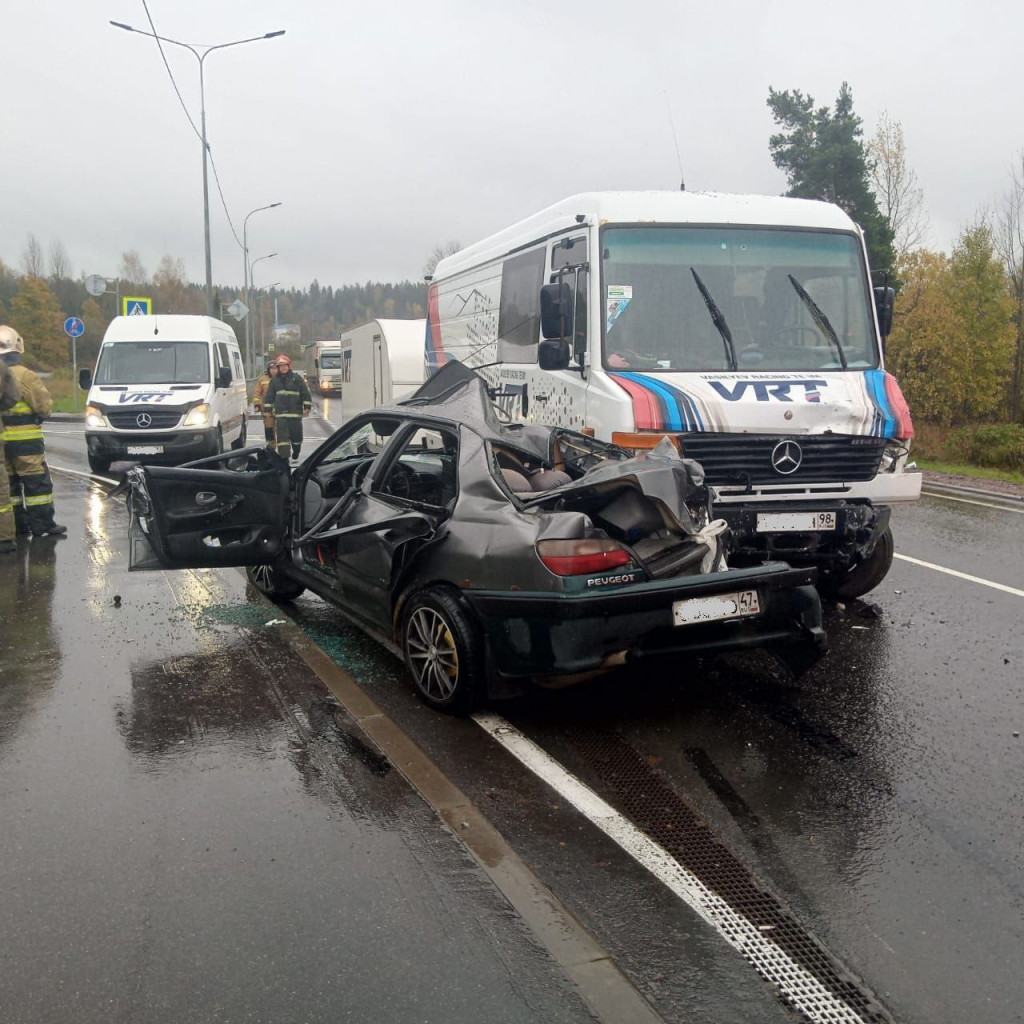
x=786 y=457
x=144 y=419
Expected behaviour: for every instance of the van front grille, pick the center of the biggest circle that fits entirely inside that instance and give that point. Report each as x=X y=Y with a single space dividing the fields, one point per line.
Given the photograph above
x=144 y=417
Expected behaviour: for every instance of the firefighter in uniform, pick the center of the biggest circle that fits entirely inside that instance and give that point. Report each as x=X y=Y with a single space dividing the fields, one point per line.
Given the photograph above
x=9 y=394
x=259 y=393
x=289 y=397
x=24 y=454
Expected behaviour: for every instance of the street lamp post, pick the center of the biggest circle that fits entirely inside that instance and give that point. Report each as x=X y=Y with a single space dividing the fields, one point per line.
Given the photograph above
x=257 y=260
x=200 y=57
x=245 y=272
x=263 y=333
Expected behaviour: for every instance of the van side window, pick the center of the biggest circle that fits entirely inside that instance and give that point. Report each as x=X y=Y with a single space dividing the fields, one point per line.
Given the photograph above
x=222 y=355
x=236 y=359
x=519 y=308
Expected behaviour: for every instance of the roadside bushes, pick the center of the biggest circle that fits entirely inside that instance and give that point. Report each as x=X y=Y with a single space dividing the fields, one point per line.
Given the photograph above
x=997 y=445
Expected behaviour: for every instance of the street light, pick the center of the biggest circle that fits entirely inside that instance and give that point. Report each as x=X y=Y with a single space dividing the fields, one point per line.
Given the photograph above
x=245 y=271
x=200 y=57
x=263 y=333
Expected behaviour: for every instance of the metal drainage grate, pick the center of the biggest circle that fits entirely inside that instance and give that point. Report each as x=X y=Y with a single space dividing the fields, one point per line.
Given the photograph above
x=656 y=809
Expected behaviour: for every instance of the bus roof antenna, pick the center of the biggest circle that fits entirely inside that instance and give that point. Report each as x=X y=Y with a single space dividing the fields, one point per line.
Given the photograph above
x=675 y=139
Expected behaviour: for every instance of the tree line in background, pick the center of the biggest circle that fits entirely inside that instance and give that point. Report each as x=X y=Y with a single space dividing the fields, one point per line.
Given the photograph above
x=37 y=301
x=957 y=344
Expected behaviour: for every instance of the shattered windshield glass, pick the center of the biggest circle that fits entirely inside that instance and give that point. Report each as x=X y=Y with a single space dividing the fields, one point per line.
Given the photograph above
x=753 y=303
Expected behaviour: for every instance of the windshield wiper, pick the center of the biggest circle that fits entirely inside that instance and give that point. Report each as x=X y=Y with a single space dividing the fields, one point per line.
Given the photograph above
x=718 y=320
x=819 y=318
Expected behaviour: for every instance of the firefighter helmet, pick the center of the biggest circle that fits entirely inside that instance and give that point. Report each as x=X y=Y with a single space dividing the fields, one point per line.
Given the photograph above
x=10 y=340
x=284 y=362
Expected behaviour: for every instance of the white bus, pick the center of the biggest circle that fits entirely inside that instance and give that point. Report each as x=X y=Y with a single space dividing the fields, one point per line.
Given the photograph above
x=743 y=326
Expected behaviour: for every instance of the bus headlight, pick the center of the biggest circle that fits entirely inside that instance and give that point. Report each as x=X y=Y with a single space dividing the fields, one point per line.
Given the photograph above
x=199 y=416
x=94 y=418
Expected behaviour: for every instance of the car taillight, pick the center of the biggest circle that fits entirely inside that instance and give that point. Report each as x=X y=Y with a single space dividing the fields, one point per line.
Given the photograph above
x=582 y=557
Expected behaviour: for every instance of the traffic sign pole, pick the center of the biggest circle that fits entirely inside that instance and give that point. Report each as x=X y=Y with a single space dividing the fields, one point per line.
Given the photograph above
x=73 y=327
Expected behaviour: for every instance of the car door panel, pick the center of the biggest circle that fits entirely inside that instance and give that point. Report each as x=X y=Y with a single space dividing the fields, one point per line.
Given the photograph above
x=197 y=518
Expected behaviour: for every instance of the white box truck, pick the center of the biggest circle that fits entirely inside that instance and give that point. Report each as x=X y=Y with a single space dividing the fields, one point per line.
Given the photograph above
x=166 y=390
x=745 y=327
x=323 y=367
x=381 y=361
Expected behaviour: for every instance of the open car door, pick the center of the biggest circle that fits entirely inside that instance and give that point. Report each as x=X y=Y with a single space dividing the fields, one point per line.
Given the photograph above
x=199 y=518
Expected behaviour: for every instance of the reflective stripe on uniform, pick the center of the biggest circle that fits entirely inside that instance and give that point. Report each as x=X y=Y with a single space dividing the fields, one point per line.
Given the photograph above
x=289 y=415
x=28 y=432
x=39 y=499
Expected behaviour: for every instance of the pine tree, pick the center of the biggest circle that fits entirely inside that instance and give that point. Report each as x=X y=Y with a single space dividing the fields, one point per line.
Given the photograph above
x=824 y=158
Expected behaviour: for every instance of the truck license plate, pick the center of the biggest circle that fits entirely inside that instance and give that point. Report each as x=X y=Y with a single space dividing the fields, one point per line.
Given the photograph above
x=712 y=609
x=795 y=522
x=145 y=449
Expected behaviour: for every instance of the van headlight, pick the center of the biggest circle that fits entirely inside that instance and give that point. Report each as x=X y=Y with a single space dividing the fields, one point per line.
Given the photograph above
x=198 y=416
x=94 y=418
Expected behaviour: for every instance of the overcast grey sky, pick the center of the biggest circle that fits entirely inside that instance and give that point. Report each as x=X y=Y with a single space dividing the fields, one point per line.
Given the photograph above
x=385 y=128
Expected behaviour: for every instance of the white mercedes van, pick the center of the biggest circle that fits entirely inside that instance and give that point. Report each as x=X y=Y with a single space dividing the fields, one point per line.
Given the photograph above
x=166 y=390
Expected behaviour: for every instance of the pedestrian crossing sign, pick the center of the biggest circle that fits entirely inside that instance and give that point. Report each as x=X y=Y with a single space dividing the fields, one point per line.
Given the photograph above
x=136 y=305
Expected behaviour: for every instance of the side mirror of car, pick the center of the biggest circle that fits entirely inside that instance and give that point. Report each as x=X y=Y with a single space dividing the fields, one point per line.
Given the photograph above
x=556 y=310
x=553 y=354
x=224 y=377
x=85 y=378
x=885 y=298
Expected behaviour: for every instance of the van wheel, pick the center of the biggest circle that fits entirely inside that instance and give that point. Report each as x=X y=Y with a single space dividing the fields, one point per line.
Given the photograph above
x=442 y=651
x=269 y=580
x=99 y=465
x=864 y=576
x=240 y=443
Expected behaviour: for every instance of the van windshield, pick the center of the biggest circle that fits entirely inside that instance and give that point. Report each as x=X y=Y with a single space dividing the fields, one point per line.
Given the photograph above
x=330 y=361
x=774 y=292
x=148 y=362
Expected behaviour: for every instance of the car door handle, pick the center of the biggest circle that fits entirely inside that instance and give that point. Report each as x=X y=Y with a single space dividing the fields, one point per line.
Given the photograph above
x=210 y=511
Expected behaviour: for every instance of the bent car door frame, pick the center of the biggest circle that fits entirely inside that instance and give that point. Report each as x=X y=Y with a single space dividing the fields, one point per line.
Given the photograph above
x=204 y=518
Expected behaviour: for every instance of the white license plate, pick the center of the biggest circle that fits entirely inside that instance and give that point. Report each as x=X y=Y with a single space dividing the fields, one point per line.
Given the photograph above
x=145 y=449
x=711 y=609
x=795 y=522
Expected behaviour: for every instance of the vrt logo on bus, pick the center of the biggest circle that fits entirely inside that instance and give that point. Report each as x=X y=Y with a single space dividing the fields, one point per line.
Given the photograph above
x=770 y=390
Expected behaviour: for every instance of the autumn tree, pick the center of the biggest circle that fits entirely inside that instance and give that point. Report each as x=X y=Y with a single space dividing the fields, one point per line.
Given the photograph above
x=900 y=198
x=36 y=316
x=32 y=258
x=172 y=293
x=131 y=271
x=60 y=262
x=823 y=156
x=438 y=253
x=982 y=311
x=1009 y=240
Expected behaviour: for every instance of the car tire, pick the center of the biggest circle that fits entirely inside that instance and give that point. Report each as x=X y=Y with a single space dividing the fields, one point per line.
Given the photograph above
x=242 y=434
x=865 y=575
x=99 y=465
x=272 y=582
x=442 y=650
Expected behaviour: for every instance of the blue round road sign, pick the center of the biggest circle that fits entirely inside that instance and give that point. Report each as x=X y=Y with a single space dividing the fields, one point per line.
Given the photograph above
x=73 y=327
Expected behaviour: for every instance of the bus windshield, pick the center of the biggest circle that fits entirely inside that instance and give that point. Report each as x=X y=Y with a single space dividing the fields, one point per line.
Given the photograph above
x=717 y=299
x=151 y=362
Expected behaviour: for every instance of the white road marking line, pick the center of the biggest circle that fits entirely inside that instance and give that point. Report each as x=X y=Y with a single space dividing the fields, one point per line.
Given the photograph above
x=798 y=986
x=971 y=501
x=961 y=575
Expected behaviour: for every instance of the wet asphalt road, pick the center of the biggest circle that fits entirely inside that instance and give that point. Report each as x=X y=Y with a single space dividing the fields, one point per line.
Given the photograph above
x=878 y=803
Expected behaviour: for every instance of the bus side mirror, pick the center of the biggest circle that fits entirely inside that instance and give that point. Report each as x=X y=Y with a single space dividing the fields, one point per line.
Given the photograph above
x=553 y=354
x=224 y=377
x=85 y=378
x=556 y=310
x=885 y=298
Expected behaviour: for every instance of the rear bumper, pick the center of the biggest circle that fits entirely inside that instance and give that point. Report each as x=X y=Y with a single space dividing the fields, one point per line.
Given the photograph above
x=544 y=634
x=177 y=446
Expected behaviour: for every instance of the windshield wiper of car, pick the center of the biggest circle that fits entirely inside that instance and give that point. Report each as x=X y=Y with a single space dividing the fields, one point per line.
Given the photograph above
x=718 y=320
x=819 y=318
